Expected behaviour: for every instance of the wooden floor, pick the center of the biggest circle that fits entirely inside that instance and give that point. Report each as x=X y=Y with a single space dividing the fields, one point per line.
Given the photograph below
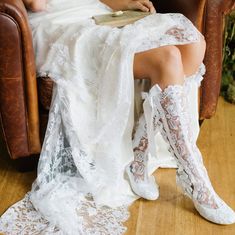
x=172 y=213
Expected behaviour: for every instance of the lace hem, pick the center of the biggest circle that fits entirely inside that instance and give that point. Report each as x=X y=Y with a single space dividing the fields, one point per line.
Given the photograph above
x=23 y=219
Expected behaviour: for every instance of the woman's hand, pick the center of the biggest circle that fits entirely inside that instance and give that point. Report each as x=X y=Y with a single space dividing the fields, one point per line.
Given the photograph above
x=35 y=5
x=143 y=5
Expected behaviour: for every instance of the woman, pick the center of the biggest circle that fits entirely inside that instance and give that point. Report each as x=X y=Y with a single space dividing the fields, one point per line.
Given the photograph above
x=87 y=153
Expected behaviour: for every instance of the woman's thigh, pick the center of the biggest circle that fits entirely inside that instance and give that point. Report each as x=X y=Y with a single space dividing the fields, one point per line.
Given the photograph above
x=158 y=60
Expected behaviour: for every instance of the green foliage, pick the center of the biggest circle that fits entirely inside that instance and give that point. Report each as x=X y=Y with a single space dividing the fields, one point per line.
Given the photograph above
x=228 y=76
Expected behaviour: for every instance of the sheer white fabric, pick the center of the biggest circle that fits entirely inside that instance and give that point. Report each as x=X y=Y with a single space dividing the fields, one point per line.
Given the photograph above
x=80 y=187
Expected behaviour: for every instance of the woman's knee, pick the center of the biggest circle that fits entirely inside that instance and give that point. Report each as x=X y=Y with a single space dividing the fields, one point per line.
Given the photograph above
x=167 y=63
x=170 y=58
x=161 y=65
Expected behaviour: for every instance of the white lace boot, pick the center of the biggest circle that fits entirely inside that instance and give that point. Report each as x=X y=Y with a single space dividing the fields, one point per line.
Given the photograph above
x=137 y=172
x=172 y=117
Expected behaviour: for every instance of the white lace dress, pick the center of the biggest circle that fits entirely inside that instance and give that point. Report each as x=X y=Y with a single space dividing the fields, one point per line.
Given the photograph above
x=80 y=186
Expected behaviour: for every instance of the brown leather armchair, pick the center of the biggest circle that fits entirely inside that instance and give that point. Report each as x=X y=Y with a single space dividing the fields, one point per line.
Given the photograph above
x=25 y=100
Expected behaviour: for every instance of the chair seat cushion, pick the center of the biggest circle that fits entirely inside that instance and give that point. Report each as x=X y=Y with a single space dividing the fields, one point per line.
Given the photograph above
x=45 y=87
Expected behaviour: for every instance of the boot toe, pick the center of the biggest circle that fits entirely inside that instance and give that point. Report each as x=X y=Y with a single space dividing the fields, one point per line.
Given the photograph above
x=145 y=189
x=149 y=192
x=222 y=215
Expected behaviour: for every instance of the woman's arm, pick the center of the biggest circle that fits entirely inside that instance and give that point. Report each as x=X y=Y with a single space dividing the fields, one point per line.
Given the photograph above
x=35 y=5
x=143 y=5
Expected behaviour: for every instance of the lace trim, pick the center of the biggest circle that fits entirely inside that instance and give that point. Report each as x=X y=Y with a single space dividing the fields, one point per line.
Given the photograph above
x=23 y=219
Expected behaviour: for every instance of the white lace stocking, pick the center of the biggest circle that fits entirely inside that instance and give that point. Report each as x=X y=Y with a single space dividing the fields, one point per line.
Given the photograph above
x=173 y=119
x=174 y=122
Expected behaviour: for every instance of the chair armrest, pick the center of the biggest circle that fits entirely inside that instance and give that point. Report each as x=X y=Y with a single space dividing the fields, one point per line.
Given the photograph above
x=18 y=87
x=214 y=30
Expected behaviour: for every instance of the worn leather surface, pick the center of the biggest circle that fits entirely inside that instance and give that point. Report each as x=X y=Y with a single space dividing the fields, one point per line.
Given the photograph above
x=18 y=81
x=215 y=11
x=11 y=90
x=45 y=86
x=12 y=95
x=18 y=98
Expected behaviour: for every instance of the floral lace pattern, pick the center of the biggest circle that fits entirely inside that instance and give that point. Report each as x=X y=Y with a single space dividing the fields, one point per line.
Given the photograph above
x=91 y=219
x=80 y=187
x=26 y=220
x=140 y=146
x=183 y=31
